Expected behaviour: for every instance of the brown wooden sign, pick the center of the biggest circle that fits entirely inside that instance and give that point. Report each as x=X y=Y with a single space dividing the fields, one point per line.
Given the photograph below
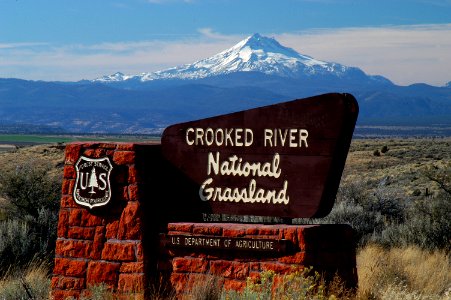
x=282 y=160
x=224 y=243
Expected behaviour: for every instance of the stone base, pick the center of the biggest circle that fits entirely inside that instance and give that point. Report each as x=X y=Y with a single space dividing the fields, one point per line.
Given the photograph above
x=329 y=249
x=118 y=244
x=101 y=245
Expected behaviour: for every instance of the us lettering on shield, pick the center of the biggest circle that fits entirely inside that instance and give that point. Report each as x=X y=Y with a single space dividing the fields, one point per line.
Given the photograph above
x=92 y=184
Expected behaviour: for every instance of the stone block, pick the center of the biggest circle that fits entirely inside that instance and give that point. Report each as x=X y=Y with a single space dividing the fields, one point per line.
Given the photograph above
x=130 y=223
x=139 y=252
x=133 y=192
x=67 y=187
x=75 y=216
x=81 y=233
x=119 y=251
x=90 y=220
x=108 y=146
x=125 y=146
x=69 y=172
x=207 y=229
x=189 y=265
x=235 y=230
x=233 y=284
x=295 y=258
x=72 y=153
x=179 y=281
x=65 y=294
x=63 y=223
x=182 y=227
x=67 y=201
x=111 y=230
x=230 y=269
x=132 y=267
x=95 y=153
x=102 y=272
x=74 y=248
x=99 y=234
x=289 y=233
x=68 y=283
x=133 y=175
x=70 y=267
x=131 y=283
x=124 y=157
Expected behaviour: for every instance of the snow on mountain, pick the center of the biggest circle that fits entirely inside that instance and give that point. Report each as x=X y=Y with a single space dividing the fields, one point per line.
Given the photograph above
x=118 y=76
x=255 y=53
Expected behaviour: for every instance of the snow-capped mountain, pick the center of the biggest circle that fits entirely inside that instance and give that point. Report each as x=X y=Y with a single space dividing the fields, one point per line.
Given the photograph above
x=256 y=53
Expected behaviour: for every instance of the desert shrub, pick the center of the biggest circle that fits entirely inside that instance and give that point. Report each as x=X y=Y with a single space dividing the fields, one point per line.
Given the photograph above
x=303 y=284
x=208 y=287
x=427 y=221
x=16 y=243
x=388 y=203
x=29 y=229
x=364 y=222
x=368 y=213
x=376 y=153
x=97 y=292
x=388 y=217
x=416 y=192
x=384 y=149
x=29 y=188
x=427 y=225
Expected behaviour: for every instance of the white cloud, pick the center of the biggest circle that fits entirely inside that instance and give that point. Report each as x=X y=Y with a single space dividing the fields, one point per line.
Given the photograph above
x=404 y=54
x=211 y=34
x=75 y=62
x=20 y=45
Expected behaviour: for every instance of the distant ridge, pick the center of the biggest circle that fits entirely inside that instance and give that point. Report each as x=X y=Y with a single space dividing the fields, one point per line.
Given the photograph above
x=255 y=72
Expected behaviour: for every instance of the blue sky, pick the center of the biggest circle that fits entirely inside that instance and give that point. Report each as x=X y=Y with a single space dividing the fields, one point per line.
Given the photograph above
x=406 y=41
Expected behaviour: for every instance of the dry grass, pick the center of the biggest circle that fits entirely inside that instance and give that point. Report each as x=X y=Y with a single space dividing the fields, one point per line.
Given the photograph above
x=31 y=283
x=410 y=272
x=401 y=166
x=52 y=154
x=385 y=274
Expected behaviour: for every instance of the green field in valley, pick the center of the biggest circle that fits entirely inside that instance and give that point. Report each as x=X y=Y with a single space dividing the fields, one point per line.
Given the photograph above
x=10 y=142
x=48 y=139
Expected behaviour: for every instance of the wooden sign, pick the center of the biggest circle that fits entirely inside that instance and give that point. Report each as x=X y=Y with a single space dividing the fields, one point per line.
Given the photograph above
x=224 y=243
x=282 y=160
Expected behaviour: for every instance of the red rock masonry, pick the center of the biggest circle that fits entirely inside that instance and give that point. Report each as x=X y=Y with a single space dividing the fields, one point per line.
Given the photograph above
x=104 y=245
x=327 y=248
x=95 y=248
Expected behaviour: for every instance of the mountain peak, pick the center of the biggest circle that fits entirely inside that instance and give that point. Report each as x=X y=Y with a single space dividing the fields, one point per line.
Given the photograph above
x=263 y=44
x=255 y=53
x=257 y=40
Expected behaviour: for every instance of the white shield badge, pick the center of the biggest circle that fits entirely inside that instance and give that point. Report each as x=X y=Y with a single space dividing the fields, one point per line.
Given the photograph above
x=92 y=185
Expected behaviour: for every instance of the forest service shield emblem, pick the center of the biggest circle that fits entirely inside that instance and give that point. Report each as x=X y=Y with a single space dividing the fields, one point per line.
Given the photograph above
x=92 y=184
